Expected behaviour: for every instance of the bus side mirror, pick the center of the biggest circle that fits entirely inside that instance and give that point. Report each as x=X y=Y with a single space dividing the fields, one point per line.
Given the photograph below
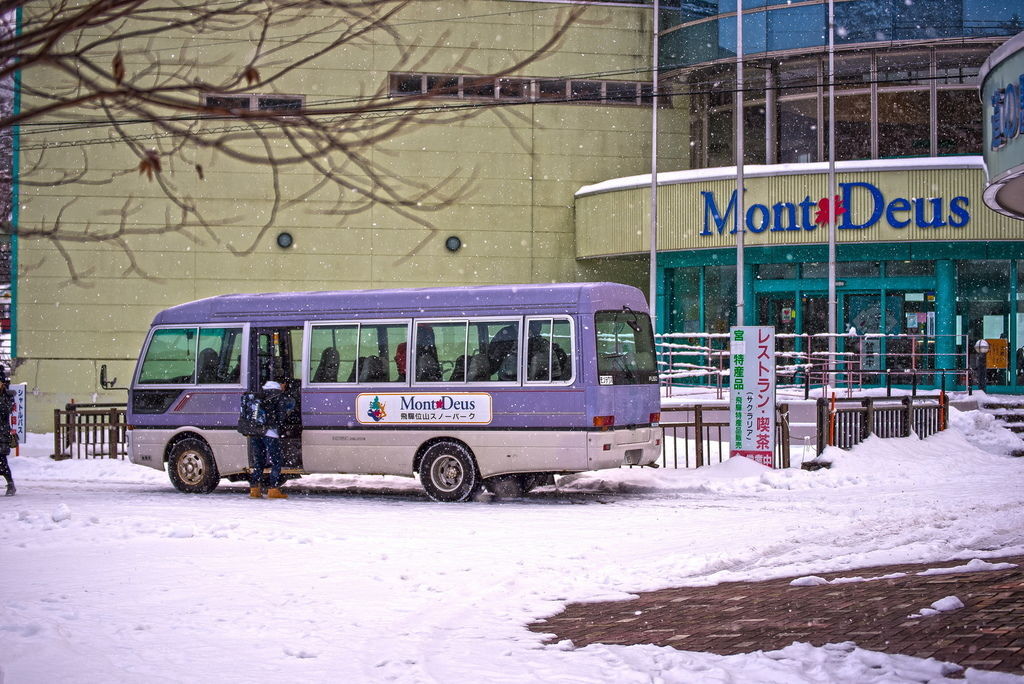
x=104 y=383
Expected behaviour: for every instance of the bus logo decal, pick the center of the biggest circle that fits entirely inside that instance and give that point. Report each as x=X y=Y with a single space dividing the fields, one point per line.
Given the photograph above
x=435 y=408
x=377 y=412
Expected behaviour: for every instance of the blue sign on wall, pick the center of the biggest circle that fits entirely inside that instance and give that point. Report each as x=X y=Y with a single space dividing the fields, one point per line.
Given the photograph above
x=809 y=214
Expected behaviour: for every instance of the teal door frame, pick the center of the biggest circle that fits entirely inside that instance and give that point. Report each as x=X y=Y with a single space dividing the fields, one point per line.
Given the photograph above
x=881 y=286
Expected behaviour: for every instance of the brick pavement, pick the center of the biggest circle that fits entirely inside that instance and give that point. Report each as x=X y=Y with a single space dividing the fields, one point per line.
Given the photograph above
x=740 y=617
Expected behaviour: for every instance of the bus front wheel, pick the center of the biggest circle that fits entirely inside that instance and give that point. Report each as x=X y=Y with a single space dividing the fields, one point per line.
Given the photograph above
x=448 y=472
x=192 y=468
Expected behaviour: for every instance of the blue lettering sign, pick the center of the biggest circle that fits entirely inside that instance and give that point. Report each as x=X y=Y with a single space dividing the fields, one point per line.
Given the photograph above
x=897 y=212
x=958 y=205
x=758 y=226
x=878 y=203
x=1007 y=112
x=711 y=208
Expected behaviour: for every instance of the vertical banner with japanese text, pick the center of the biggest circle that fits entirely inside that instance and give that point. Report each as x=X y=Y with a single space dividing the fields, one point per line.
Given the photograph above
x=752 y=393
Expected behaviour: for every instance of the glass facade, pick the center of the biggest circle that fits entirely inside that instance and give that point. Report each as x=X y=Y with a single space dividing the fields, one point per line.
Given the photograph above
x=890 y=103
x=906 y=79
x=701 y=31
x=900 y=298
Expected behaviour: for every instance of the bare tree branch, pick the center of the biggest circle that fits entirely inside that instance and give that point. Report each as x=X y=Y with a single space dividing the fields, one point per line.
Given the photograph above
x=155 y=78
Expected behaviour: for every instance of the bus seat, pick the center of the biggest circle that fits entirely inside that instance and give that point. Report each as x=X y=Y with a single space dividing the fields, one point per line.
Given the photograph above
x=479 y=367
x=360 y=362
x=207 y=366
x=537 y=366
x=327 y=371
x=564 y=363
x=507 y=371
x=459 y=371
x=503 y=344
x=427 y=367
x=372 y=369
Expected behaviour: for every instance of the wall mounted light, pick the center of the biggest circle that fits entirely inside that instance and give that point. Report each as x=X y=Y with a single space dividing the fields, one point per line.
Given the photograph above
x=284 y=240
x=453 y=244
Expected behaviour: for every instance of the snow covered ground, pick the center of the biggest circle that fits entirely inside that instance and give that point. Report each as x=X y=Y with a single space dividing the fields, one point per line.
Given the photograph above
x=107 y=574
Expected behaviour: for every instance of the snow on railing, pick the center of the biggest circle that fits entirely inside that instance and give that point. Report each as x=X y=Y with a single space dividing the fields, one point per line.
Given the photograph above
x=803 y=360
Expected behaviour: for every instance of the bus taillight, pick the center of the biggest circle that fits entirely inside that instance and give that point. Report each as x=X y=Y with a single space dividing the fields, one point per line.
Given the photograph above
x=604 y=421
x=655 y=417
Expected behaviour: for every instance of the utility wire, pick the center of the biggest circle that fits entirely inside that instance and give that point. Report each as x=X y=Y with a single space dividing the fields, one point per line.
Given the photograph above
x=390 y=110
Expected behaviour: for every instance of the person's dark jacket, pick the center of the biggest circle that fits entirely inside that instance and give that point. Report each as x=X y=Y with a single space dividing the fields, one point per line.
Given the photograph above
x=6 y=406
x=273 y=401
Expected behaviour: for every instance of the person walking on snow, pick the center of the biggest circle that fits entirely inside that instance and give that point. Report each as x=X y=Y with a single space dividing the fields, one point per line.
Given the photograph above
x=268 y=448
x=6 y=406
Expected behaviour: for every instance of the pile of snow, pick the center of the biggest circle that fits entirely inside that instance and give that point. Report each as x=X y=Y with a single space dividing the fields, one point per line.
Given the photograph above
x=943 y=605
x=985 y=432
x=353 y=578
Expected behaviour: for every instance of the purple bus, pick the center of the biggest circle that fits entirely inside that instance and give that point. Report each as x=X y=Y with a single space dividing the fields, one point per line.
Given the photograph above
x=496 y=386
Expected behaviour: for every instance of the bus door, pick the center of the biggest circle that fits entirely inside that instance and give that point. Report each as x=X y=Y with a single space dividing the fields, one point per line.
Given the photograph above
x=278 y=354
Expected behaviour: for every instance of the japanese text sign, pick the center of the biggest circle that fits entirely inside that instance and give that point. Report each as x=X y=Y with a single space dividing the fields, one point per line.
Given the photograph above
x=752 y=393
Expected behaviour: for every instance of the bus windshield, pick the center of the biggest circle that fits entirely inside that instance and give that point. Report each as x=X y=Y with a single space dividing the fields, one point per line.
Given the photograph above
x=625 y=348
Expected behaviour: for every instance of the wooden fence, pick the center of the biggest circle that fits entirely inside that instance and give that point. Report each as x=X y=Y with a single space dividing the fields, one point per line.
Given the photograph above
x=695 y=435
x=90 y=431
x=847 y=422
x=698 y=435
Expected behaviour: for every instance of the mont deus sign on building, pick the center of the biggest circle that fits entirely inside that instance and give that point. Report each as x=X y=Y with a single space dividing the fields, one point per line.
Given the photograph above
x=859 y=205
x=918 y=255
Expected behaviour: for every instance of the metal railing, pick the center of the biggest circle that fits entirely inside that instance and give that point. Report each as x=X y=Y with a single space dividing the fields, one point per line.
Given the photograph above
x=803 y=362
x=847 y=422
x=90 y=431
x=698 y=435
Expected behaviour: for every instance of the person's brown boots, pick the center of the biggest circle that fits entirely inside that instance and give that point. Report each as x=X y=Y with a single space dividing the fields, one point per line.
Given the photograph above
x=275 y=493
x=255 y=493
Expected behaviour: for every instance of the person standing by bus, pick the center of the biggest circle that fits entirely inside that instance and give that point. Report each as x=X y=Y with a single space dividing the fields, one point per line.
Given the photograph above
x=6 y=406
x=268 y=450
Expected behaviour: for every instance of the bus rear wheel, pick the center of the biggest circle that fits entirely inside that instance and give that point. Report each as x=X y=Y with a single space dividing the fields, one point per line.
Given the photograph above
x=191 y=467
x=448 y=472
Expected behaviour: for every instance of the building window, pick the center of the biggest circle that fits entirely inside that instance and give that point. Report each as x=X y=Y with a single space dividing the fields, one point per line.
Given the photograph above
x=445 y=86
x=513 y=88
x=254 y=102
x=954 y=107
x=469 y=87
x=277 y=103
x=586 y=90
x=406 y=84
x=915 y=102
x=228 y=102
x=479 y=87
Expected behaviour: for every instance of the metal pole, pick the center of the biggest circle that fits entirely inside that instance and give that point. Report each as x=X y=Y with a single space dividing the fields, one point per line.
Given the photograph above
x=831 y=204
x=653 y=284
x=738 y=218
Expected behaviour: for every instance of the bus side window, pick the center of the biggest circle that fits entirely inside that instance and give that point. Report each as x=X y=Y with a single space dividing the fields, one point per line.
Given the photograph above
x=220 y=357
x=378 y=343
x=503 y=352
x=428 y=368
x=170 y=358
x=562 y=348
x=546 y=359
x=332 y=353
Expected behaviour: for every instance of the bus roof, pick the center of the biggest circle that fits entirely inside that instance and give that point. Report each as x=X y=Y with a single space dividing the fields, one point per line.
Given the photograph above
x=295 y=307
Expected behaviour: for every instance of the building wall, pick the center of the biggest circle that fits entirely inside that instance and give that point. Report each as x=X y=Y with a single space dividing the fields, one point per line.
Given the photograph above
x=83 y=304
